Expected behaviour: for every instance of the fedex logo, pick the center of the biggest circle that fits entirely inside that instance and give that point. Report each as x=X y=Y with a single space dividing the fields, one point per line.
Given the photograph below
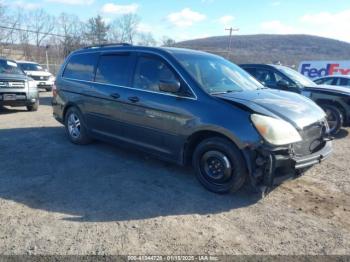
x=314 y=70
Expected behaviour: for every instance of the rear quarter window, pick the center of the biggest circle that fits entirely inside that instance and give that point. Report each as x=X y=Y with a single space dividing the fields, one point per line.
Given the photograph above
x=81 y=67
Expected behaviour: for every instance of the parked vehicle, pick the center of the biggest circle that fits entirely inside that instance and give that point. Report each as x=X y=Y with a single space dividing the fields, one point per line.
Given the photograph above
x=17 y=89
x=334 y=80
x=188 y=106
x=334 y=100
x=42 y=77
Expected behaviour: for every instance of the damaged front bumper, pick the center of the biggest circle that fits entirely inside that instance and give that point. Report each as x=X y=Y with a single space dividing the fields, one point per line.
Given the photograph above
x=269 y=167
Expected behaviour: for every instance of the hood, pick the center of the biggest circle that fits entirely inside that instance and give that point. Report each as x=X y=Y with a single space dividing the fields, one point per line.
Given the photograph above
x=291 y=107
x=38 y=73
x=10 y=77
x=330 y=89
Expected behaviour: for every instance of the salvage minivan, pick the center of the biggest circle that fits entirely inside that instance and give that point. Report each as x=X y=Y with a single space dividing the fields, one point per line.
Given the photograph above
x=188 y=106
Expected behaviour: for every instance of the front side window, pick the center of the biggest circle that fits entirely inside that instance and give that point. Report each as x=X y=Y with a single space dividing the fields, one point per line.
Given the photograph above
x=10 y=67
x=344 y=81
x=150 y=72
x=113 y=69
x=217 y=75
x=325 y=81
x=266 y=77
x=81 y=67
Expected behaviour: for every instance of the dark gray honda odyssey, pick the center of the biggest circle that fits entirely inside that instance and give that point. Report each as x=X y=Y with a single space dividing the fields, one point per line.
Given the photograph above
x=190 y=107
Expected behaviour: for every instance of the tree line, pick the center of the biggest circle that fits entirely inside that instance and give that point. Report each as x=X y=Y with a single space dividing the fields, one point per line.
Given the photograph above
x=29 y=34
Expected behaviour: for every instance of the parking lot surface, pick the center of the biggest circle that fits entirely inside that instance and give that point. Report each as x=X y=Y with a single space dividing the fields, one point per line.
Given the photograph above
x=59 y=198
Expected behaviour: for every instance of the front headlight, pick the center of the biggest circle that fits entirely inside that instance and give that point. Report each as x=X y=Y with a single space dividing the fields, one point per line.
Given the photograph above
x=32 y=84
x=275 y=131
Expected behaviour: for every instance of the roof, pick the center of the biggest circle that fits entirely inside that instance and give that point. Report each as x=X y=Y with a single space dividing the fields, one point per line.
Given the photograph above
x=168 y=50
x=26 y=62
x=334 y=76
x=257 y=65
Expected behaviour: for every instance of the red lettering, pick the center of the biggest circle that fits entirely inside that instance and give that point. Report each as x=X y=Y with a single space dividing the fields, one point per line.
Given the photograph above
x=333 y=69
x=345 y=71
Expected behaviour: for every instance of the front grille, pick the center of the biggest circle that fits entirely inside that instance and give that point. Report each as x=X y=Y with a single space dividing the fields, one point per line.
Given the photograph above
x=12 y=84
x=40 y=78
x=312 y=139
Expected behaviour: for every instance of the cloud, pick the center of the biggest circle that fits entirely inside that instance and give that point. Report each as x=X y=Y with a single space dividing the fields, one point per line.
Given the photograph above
x=277 y=27
x=226 y=20
x=185 y=18
x=26 y=5
x=276 y=3
x=111 y=8
x=334 y=25
x=325 y=24
x=72 y=2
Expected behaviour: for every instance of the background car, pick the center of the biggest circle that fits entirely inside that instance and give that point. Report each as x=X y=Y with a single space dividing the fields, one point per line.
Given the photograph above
x=42 y=77
x=334 y=100
x=337 y=80
x=17 y=89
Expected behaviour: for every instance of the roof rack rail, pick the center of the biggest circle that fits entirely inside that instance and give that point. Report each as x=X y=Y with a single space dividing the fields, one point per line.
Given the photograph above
x=106 y=45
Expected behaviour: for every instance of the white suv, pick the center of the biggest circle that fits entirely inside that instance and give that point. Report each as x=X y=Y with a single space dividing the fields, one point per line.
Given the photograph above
x=42 y=77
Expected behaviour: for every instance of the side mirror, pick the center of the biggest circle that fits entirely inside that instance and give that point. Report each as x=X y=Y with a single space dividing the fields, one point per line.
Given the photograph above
x=172 y=86
x=283 y=84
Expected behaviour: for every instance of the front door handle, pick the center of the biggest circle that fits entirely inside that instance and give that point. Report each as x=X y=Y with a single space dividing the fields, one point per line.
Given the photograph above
x=115 y=95
x=133 y=99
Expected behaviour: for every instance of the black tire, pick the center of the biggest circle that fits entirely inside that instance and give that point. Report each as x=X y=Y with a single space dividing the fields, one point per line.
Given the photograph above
x=33 y=107
x=334 y=118
x=76 y=131
x=217 y=173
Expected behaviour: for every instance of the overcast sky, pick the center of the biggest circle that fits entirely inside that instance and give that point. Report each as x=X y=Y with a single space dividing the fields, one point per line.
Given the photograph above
x=190 y=19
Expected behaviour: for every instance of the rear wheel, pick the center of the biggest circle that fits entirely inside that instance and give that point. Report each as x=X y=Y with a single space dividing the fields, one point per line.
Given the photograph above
x=334 y=118
x=33 y=107
x=75 y=127
x=219 y=165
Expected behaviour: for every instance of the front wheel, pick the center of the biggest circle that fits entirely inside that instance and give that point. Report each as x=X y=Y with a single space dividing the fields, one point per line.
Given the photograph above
x=219 y=165
x=334 y=118
x=33 y=107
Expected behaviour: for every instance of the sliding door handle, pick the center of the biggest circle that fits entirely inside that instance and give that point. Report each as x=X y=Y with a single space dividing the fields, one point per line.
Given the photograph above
x=115 y=95
x=133 y=99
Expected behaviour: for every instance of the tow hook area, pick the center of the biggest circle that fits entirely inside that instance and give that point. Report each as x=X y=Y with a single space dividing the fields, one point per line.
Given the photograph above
x=264 y=172
x=264 y=168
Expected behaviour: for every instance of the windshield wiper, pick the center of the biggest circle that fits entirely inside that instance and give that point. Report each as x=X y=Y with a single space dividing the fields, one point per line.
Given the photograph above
x=222 y=92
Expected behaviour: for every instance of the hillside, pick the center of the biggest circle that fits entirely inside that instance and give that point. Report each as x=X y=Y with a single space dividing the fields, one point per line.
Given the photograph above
x=289 y=49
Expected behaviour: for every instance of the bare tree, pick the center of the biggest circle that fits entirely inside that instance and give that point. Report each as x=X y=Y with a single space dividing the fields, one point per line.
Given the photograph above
x=8 y=33
x=71 y=29
x=146 y=39
x=124 y=29
x=42 y=24
x=167 y=41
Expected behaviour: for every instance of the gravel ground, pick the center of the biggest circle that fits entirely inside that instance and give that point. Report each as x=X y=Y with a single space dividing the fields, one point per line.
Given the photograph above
x=58 y=198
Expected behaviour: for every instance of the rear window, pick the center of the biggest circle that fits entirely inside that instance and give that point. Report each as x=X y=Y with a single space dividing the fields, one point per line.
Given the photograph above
x=81 y=67
x=113 y=69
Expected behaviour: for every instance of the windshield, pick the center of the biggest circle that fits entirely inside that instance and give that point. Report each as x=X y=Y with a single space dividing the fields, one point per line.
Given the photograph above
x=296 y=77
x=217 y=75
x=30 y=67
x=10 y=67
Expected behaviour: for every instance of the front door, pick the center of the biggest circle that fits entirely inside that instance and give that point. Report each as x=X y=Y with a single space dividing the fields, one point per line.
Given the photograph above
x=153 y=119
